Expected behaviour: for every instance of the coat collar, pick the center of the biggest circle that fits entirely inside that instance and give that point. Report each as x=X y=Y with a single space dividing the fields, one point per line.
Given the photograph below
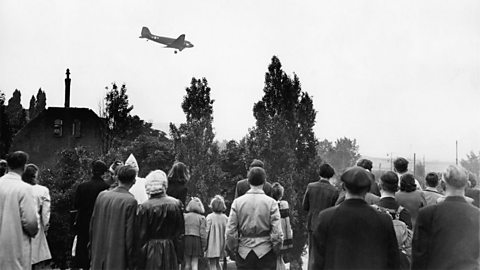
x=325 y=181
x=455 y=199
x=255 y=191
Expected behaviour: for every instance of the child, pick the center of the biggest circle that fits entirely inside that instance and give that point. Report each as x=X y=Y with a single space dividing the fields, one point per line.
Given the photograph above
x=216 y=224
x=195 y=233
x=277 y=194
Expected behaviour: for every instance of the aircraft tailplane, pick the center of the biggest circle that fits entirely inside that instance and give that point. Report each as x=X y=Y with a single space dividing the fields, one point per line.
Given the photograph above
x=145 y=32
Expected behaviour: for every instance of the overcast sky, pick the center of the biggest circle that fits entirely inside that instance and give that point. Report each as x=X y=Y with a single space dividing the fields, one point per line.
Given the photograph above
x=398 y=76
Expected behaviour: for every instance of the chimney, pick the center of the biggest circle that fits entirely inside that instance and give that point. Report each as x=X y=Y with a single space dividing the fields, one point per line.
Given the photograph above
x=67 y=89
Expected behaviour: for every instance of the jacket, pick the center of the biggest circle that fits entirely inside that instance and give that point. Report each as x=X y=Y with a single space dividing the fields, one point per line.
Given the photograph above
x=318 y=196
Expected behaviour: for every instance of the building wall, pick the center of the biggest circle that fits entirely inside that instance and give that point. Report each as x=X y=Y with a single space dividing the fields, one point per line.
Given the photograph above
x=39 y=140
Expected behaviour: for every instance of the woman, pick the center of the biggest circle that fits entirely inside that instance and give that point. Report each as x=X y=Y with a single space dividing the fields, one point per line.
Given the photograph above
x=40 y=250
x=178 y=177
x=277 y=194
x=160 y=225
x=410 y=197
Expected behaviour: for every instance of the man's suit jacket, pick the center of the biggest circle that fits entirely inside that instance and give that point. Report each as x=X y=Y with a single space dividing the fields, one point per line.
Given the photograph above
x=447 y=236
x=353 y=235
x=243 y=186
x=319 y=196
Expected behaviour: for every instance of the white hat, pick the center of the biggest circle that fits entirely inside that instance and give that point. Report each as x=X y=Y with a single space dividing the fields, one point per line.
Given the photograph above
x=132 y=162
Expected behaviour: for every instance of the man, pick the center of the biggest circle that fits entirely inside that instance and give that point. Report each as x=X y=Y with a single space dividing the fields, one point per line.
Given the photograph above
x=368 y=165
x=388 y=187
x=254 y=230
x=319 y=196
x=431 y=192
x=447 y=234
x=112 y=225
x=85 y=197
x=471 y=191
x=353 y=235
x=18 y=217
x=3 y=167
x=400 y=166
x=243 y=186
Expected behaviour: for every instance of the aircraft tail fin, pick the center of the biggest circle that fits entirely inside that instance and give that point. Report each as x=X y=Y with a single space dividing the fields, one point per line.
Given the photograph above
x=145 y=32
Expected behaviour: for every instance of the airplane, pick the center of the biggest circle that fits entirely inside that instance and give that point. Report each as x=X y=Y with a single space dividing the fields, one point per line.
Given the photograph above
x=179 y=44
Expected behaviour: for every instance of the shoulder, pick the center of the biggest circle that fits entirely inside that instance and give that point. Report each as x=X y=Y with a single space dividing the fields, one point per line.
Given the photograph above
x=242 y=182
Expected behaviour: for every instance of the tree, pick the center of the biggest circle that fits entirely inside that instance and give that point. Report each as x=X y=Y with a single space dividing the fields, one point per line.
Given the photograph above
x=5 y=133
x=31 y=109
x=420 y=171
x=41 y=103
x=472 y=163
x=341 y=154
x=283 y=138
x=15 y=113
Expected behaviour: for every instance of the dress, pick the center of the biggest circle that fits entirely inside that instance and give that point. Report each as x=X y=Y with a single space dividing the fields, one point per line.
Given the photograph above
x=195 y=234
x=40 y=250
x=216 y=225
x=160 y=226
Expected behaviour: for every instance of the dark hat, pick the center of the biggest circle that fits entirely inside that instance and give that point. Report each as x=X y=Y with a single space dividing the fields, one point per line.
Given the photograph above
x=99 y=167
x=356 y=178
x=256 y=163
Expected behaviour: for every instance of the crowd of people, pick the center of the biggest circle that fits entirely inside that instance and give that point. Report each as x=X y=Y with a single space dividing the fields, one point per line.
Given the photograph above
x=123 y=221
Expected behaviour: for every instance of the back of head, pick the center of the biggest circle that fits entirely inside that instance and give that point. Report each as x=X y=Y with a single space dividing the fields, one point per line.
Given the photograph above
x=357 y=180
x=17 y=160
x=456 y=177
x=365 y=163
x=3 y=167
x=277 y=191
x=178 y=173
x=407 y=183
x=30 y=174
x=195 y=205
x=126 y=175
x=389 y=182
x=98 y=168
x=156 y=182
x=401 y=165
x=218 y=204
x=326 y=171
x=472 y=180
x=432 y=179
x=256 y=163
x=256 y=176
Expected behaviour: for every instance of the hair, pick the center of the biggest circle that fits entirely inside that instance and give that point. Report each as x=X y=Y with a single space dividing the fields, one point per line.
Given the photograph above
x=365 y=163
x=17 y=160
x=178 y=173
x=195 y=205
x=407 y=183
x=256 y=163
x=389 y=181
x=98 y=168
x=256 y=176
x=455 y=176
x=432 y=179
x=156 y=182
x=401 y=165
x=127 y=174
x=326 y=171
x=277 y=191
x=115 y=166
x=30 y=173
x=217 y=204
x=472 y=180
x=3 y=167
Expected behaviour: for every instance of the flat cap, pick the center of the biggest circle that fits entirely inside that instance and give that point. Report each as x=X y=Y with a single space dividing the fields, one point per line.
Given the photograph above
x=357 y=177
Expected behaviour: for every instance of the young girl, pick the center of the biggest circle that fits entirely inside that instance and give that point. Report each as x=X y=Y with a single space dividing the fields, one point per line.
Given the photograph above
x=216 y=224
x=195 y=233
x=277 y=194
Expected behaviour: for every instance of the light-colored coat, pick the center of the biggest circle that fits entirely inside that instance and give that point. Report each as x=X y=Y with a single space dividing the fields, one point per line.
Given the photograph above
x=40 y=250
x=18 y=222
x=216 y=225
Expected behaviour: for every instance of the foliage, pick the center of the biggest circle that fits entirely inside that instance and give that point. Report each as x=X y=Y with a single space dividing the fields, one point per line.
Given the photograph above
x=472 y=163
x=16 y=114
x=341 y=154
x=37 y=105
x=5 y=133
x=420 y=171
x=72 y=168
x=283 y=138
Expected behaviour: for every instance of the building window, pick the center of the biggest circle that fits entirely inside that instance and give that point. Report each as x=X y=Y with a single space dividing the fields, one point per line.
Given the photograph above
x=57 y=128
x=76 y=128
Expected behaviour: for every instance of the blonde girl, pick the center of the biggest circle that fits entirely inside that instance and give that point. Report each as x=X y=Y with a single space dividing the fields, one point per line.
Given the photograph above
x=216 y=225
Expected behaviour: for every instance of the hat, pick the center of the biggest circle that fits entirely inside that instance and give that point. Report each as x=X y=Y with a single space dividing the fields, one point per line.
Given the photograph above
x=156 y=182
x=99 y=167
x=256 y=163
x=356 y=178
x=132 y=162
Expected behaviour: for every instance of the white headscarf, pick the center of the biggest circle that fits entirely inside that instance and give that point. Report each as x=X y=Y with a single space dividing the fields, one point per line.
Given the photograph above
x=132 y=161
x=156 y=182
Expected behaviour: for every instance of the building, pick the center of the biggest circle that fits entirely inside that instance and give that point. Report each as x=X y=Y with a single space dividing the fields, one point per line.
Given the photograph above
x=59 y=128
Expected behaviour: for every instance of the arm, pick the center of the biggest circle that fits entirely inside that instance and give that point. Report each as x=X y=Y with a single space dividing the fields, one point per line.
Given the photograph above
x=392 y=244
x=209 y=224
x=178 y=239
x=276 y=234
x=406 y=217
x=203 y=232
x=28 y=212
x=335 y=197
x=306 y=200
x=421 y=243
x=319 y=234
x=231 y=232
x=236 y=191
x=141 y=224
x=131 y=213
x=46 y=210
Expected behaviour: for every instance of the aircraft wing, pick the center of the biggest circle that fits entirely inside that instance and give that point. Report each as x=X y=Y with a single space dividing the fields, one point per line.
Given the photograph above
x=178 y=43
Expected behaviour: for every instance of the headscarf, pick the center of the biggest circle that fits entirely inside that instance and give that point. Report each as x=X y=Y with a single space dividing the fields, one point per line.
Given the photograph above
x=132 y=161
x=156 y=182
